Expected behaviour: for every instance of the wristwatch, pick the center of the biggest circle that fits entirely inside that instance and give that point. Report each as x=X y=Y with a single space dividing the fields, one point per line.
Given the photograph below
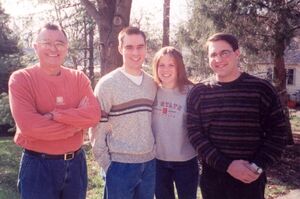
x=257 y=169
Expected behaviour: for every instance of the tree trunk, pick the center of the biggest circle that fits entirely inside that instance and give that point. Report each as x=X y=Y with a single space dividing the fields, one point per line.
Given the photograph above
x=166 y=23
x=280 y=84
x=111 y=17
x=91 y=55
x=85 y=50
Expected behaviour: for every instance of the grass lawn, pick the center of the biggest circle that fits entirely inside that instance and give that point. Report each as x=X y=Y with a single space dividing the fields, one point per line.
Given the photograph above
x=9 y=164
x=282 y=177
x=10 y=157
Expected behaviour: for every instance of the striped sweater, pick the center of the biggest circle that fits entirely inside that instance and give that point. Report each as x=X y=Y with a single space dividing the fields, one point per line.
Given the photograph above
x=242 y=119
x=124 y=132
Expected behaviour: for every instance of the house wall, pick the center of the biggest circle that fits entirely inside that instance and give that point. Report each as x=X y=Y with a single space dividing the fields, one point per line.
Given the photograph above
x=296 y=87
x=291 y=89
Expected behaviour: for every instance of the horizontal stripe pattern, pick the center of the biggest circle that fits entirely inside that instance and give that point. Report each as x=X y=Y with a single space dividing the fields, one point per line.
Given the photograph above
x=238 y=120
x=133 y=106
x=104 y=116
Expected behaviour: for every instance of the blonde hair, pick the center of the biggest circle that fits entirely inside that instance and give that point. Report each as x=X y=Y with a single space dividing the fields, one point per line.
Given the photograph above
x=181 y=80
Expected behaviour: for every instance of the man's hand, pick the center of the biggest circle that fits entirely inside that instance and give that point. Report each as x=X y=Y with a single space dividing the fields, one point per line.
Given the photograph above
x=241 y=170
x=49 y=115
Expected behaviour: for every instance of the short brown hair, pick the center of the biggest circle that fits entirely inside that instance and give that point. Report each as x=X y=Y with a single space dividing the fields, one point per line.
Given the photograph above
x=229 y=38
x=130 y=30
x=182 y=79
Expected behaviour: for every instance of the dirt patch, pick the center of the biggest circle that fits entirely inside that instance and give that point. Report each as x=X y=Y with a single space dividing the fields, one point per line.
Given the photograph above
x=285 y=175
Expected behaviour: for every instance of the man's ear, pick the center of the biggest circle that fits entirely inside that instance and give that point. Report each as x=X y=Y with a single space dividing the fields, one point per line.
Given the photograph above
x=34 y=45
x=237 y=52
x=120 y=49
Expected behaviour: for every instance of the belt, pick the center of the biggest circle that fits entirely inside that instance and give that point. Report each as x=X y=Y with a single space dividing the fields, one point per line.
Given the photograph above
x=66 y=156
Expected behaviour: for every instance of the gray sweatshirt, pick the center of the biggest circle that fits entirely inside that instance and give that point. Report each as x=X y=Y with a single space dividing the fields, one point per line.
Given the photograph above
x=169 y=126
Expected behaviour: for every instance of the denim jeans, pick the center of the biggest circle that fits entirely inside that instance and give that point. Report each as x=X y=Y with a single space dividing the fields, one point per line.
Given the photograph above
x=220 y=185
x=130 y=180
x=41 y=178
x=184 y=174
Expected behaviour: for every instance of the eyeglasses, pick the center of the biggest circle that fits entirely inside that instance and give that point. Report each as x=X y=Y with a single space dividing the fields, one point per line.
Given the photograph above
x=48 y=45
x=223 y=54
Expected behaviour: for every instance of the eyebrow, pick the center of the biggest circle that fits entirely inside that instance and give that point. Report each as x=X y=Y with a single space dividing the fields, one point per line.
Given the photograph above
x=139 y=45
x=47 y=40
x=221 y=51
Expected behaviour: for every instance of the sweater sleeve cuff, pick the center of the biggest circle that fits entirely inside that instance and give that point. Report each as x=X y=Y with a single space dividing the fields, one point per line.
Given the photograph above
x=260 y=163
x=223 y=165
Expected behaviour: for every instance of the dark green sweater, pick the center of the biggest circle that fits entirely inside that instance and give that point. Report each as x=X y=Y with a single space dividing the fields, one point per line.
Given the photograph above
x=242 y=119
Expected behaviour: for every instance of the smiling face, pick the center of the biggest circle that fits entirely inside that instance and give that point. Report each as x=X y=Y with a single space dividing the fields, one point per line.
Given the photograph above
x=51 y=47
x=133 y=50
x=223 y=60
x=167 y=71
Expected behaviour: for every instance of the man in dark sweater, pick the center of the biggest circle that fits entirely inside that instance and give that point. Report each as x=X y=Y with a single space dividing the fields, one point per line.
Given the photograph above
x=236 y=124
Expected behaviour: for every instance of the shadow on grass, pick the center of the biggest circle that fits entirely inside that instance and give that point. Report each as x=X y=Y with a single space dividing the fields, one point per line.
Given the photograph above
x=10 y=155
x=9 y=164
x=285 y=175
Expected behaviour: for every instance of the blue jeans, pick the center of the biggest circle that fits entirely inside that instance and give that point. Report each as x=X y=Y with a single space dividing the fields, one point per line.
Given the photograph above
x=219 y=185
x=41 y=178
x=184 y=174
x=130 y=180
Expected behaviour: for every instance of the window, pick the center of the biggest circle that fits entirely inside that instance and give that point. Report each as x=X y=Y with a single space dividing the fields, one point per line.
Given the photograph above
x=290 y=76
x=269 y=75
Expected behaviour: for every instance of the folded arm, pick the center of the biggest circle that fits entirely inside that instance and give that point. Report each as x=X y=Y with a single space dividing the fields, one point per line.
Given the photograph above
x=29 y=121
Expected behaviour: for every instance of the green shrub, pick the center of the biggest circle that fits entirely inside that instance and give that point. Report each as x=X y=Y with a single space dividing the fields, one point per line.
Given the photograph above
x=5 y=114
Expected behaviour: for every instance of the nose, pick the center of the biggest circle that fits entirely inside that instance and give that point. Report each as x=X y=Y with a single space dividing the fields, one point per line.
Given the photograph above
x=218 y=58
x=53 y=47
x=135 y=51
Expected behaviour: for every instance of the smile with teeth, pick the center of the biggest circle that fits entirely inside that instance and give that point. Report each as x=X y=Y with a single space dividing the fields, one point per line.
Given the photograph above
x=135 y=59
x=220 y=66
x=52 y=55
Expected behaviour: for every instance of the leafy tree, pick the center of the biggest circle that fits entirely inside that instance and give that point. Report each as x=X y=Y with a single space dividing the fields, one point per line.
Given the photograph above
x=260 y=25
x=10 y=53
x=263 y=27
x=192 y=36
x=6 y=118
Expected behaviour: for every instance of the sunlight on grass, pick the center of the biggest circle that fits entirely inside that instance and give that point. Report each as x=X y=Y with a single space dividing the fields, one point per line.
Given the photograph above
x=275 y=188
x=96 y=183
x=295 y=122
x=10 y=156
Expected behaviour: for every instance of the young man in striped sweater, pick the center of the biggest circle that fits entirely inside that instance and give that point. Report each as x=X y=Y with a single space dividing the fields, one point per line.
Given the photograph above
x=236 y=123
x=123 y=142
